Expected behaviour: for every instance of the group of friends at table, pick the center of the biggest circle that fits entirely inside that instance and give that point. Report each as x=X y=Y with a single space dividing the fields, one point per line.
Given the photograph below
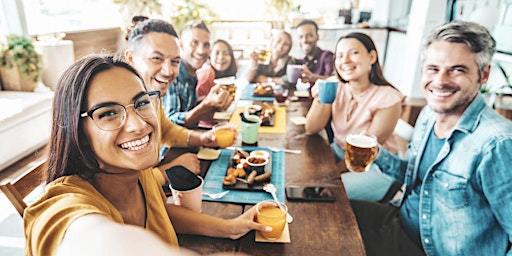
x=114 y=113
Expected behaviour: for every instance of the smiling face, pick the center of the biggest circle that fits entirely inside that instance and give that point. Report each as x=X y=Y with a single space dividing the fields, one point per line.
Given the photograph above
x=132 y=147
x=220 y=58
x=281 y=45
x=195 y=44
x=352 y=60
x=157 y=59
x=308 y=38
x=450 y=77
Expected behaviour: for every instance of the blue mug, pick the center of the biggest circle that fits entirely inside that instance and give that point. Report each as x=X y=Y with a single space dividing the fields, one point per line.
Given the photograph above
x=327 y=90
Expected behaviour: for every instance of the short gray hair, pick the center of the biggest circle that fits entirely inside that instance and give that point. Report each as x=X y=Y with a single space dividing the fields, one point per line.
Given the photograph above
x=475 y=36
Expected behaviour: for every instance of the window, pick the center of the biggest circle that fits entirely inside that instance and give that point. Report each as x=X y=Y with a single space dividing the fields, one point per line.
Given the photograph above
x=51 y=16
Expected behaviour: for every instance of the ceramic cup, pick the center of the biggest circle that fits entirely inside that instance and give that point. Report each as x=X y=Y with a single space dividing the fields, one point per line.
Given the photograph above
x=191 y=199
x=327 y=90
x=250 y=129
x=293 y=73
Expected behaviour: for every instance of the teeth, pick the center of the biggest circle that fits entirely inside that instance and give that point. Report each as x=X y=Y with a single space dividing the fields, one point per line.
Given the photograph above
x=162 y=80
x=442 y=93
x=136 y=144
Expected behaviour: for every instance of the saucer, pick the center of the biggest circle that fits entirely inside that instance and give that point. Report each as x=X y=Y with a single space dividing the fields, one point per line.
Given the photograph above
x=284 y=238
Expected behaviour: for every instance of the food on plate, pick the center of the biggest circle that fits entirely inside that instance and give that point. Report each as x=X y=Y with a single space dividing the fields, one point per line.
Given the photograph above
x=267 y=113
x=256 y=160
x=247 y=168
x=230 y=179
x=263 y=89
x=262 y=153
x=250 y=178
x=254 y=109
x=262 y=177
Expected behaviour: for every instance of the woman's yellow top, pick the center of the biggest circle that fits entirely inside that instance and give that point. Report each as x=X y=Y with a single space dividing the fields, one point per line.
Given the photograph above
x=70 y=197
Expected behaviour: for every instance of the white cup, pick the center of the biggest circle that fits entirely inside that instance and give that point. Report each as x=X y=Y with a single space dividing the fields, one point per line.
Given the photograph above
x=191 y=199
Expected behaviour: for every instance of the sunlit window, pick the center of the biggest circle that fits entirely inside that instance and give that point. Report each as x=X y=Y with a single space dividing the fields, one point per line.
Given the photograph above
x=50 y=16
x=3 y=29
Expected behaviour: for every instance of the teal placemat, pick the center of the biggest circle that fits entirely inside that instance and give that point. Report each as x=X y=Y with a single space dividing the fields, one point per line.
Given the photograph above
x=217 y=172
x=247 y=94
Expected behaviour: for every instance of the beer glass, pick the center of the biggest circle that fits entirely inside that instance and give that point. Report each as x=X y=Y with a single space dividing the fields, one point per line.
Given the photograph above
x=264 y=56
x=360 y=152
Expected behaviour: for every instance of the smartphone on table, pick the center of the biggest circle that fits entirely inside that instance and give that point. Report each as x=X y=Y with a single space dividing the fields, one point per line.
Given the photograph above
x=309 y=193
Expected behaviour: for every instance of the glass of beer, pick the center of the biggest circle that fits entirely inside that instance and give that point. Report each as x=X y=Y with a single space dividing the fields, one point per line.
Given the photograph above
x=264 y=56
x=360 y=152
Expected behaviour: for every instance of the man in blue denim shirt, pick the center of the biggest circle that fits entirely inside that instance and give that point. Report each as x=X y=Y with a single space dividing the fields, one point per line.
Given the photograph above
x=180 y=102
x=458 y=195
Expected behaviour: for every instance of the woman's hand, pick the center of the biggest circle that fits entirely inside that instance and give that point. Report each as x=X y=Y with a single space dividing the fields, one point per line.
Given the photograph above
x=244 y=223
x=208 y=138
x=254 y=59
x=314 y=91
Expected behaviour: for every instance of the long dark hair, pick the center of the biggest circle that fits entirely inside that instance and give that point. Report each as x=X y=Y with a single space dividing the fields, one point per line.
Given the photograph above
x=376 y=74
x=232 y=69
x=68 y=151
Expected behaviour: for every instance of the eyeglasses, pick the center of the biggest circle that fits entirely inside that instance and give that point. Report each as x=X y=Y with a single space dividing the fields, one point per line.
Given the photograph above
x=111 y=116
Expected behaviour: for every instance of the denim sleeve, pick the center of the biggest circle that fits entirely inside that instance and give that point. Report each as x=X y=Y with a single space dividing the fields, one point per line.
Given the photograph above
x=494 y=173
x=391 y=164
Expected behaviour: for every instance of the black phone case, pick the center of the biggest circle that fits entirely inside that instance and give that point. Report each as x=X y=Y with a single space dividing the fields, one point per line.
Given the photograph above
x=311 y=197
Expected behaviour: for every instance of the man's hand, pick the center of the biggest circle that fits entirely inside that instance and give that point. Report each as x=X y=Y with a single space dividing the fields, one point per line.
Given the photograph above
x=217 y=99
x=307 y=76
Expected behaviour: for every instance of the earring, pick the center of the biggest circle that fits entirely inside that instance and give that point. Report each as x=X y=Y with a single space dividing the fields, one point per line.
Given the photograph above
x=370 y=67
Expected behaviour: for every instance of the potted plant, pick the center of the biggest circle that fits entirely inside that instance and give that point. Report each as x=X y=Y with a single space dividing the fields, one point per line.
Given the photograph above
x=20 y=64
x=279 y=10
x=186 y=10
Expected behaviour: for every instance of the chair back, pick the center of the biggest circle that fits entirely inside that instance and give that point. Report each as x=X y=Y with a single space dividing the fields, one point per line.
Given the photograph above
x=19 y=188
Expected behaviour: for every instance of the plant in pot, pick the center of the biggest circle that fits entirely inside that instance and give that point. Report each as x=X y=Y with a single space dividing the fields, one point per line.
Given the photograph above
x=20 y=64
x=184 y=11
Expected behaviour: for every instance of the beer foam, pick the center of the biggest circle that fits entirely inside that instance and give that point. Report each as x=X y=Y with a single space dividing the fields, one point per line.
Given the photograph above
x=361 y=141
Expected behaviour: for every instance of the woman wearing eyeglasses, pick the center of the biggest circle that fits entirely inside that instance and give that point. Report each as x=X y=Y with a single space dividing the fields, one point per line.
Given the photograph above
x=105 y=131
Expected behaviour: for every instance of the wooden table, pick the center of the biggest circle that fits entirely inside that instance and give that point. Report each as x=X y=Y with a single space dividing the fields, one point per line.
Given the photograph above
x=319 y=227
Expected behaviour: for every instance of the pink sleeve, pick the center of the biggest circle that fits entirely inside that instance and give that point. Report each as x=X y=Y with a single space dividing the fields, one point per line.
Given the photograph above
x=386 y=97
x=205 y=77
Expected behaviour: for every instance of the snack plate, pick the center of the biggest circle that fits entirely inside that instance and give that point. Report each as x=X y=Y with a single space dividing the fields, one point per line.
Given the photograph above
x=240 y=185
x=271 y=121
x=269 y=90
x=248 y=94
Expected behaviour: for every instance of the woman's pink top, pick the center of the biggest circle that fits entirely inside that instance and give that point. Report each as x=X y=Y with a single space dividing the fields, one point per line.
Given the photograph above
x=205 y=80
x=354 y=114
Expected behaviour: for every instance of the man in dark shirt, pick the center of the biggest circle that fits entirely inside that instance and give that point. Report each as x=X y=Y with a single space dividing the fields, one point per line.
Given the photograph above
x=318 y=63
